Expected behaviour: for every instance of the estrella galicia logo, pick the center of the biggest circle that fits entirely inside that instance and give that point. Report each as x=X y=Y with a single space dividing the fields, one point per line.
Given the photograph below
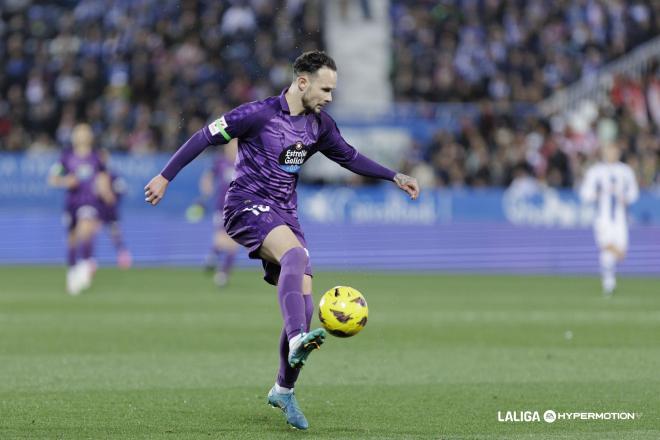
x=293 y=156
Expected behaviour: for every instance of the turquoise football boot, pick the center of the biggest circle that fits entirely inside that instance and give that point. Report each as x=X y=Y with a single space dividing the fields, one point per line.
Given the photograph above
x=289 y=405
x=306 y=344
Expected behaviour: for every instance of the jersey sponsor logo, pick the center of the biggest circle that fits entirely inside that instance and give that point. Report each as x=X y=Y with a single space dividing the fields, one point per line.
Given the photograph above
x=218 y=125
x=293 y=156
x=84 y=171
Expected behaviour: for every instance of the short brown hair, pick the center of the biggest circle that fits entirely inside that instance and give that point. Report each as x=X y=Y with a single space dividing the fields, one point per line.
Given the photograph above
x=310 y=62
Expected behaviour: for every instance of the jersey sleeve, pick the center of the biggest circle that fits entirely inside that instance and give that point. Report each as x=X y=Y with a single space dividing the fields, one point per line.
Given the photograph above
x=334 y=147
x=237 y=123
x=59 y=168
x=100 y=164
x=332 y=144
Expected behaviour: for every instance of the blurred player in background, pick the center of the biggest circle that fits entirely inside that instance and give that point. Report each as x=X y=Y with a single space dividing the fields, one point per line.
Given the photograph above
x=82 y=173
x=215 y=182
x=612 y=185
x=275 y=138
x=109 y=214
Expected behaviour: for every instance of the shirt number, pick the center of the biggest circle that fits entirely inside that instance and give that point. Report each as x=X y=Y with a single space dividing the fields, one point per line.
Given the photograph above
x=257 y=209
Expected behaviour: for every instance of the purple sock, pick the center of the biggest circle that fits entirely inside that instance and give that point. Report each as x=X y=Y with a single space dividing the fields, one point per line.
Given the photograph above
x=309 y=310
x=228 y=261
x=71 y=255
x=289 y=290
x=287 y=376
x=86 y=249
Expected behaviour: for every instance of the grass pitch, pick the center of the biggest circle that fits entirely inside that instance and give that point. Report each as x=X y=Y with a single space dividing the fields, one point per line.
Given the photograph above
x=162 y=353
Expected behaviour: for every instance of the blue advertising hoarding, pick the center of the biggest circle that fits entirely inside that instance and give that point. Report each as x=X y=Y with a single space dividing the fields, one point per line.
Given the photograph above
x=525 y=229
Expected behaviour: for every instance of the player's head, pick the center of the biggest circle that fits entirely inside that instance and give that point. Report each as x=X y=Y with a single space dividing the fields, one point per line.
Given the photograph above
x=314 y=79
x=82 y=138
x=610 y=152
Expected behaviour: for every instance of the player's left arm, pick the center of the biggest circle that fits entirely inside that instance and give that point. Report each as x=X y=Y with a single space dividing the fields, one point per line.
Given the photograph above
x=341 y=152
x=104 y=187
x=631 y=193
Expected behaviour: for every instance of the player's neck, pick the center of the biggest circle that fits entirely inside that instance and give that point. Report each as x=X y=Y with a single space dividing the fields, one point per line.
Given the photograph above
x=295 y=103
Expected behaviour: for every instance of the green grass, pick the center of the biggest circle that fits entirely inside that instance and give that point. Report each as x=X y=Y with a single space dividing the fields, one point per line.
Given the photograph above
x=161 y=353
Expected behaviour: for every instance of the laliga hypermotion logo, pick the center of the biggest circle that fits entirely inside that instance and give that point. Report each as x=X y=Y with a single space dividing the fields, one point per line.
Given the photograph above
x=550 y=416
x=293 y=156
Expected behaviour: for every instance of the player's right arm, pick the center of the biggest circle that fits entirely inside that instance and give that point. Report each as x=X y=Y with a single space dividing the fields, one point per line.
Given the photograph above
x=59 y=177
x=234 y=124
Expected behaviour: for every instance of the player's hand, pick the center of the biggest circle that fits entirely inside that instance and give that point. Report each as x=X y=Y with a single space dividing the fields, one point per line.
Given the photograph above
x=70 y=181
x=155 y=190
x=408 y=184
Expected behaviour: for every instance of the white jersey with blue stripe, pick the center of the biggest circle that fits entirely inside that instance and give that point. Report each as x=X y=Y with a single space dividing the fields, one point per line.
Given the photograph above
x=612 y=186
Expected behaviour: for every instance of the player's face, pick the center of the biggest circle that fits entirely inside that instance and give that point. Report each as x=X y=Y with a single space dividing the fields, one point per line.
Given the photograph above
x=611 y=153
x=82 y=138
x=318 y=92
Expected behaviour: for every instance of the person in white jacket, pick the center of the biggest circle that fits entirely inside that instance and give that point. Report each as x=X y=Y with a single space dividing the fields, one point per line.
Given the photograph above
x=612 y=185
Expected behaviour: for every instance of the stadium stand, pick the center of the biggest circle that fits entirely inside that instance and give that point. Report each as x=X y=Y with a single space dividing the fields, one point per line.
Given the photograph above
x=147 y=74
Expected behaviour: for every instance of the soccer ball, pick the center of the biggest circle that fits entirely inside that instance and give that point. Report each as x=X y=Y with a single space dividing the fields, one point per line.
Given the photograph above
x=343 y=311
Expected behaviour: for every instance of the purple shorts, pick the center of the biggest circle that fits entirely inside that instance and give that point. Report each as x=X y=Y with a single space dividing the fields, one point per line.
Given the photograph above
x=251 y=221
x=74 y=213
x=108 y=214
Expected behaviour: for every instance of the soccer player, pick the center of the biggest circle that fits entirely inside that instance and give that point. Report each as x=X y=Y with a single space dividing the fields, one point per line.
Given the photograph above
x=275 y=138
x=612 y=185
x=81 y=172
x=109 y=215
x=216 y=181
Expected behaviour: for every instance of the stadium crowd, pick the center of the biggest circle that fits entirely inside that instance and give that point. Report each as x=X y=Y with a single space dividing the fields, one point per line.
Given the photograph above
x=509 y=50
x=500 y=145
x=498 y=52
x=146 y=74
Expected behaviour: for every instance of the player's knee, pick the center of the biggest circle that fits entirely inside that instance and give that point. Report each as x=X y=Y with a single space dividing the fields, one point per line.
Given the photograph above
x=295 y=259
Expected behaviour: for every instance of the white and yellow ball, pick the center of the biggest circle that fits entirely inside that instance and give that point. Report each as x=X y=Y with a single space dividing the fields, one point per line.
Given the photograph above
x=343 y=311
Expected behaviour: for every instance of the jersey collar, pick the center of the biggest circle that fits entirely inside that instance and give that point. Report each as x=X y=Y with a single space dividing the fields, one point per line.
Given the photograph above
x=283 y=103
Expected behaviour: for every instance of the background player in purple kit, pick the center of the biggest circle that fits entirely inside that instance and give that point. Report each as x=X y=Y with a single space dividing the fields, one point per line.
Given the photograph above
x=82 y=173
x=215 y=183
x=109 y=214
x=275 y=137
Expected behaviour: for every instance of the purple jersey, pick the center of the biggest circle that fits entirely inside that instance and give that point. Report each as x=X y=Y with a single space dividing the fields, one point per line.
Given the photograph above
x=223 y=174
x=272 y=147
x=86 y=169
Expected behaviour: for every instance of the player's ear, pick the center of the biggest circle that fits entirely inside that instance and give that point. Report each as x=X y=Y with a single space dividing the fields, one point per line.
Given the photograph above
x=303 y=83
